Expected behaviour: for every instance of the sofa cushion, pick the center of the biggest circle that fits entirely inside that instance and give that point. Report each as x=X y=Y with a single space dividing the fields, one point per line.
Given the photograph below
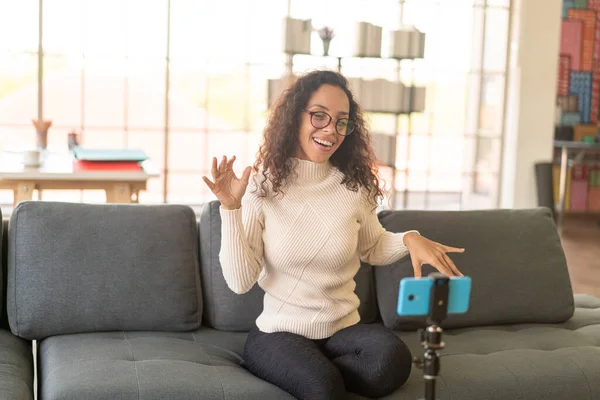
x=365 y=290
x=514 y=257
x=2 y=264
x=3 y=272
x=16 y=370
x=525 y=361
x=223 y=309
x=226 y=310
x=96 y=267
x=204 y=364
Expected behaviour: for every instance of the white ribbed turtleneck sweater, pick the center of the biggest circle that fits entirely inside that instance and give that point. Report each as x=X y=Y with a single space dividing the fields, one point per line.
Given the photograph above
x=304 y=250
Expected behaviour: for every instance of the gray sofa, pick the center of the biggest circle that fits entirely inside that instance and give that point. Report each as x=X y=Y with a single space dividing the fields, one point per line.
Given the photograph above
x=129 y=302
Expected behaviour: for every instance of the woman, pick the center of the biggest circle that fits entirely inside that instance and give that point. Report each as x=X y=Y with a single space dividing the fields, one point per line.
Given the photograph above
x=300 y=233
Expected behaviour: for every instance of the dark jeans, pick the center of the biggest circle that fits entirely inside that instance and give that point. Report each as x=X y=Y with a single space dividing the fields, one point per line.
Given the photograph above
x=369 y=360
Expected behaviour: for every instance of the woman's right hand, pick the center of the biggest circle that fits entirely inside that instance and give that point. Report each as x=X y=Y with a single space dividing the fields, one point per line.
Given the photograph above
x=228 y=188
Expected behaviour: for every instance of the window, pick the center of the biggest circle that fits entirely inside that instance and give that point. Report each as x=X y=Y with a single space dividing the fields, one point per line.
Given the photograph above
x=188 y=81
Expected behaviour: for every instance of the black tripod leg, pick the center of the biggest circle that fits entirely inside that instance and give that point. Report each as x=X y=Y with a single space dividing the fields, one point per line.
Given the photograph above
x=431 y=368
x=429 y=389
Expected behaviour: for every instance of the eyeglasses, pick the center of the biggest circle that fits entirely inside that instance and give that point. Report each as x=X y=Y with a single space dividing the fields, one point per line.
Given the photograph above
x=320 y=119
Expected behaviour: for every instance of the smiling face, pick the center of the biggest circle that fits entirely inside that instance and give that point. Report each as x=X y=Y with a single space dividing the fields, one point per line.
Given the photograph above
x=318 y=145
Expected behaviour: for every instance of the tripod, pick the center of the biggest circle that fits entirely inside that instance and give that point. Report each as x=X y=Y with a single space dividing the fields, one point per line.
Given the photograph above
x=431 y=337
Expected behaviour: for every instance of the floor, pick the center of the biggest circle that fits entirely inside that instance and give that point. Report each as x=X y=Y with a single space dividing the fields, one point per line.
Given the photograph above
x=581 y=242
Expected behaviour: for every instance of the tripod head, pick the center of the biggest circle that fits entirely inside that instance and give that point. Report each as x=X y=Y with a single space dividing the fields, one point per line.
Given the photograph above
x=438 y=303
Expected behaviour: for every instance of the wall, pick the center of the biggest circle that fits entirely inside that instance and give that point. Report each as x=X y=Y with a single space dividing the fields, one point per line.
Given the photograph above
x=531 y=97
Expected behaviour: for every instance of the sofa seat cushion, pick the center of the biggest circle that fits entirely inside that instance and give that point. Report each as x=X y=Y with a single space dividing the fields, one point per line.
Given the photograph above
x=525 y=361
x=203 y=364
x=16 y=367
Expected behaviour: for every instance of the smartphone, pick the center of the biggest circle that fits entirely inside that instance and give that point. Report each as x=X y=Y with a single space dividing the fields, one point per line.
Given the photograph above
x=414 y=296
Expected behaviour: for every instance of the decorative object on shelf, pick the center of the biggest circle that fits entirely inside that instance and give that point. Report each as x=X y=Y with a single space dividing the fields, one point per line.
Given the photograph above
x=570 y=118
x=384 y=96
x=297 y=34
x=568 y=103
x=407 y=42
x=384 y=146
x=418 y=94
x=41 y=129
x=563 y=132
x=326 y=34
x=72 y=140
x=588 y=139
x=32 y=158
x=583 y=131
x=368 y=40
x=276 y=87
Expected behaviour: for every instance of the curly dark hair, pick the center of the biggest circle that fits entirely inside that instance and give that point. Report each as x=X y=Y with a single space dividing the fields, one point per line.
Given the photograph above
x=354 y=158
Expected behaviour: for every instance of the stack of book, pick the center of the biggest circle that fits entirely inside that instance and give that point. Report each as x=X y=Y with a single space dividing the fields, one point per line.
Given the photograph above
x=108 y=159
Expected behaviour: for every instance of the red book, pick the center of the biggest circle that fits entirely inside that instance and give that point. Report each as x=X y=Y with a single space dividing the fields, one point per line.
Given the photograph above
x=570 y=41
x=595 y=6
x=595 y=101
x=588 y=19
x=79 y=165
x=564 y=67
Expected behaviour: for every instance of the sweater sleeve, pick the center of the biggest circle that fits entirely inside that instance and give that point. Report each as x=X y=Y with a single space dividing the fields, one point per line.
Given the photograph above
x=241 y=254
x=376 y=245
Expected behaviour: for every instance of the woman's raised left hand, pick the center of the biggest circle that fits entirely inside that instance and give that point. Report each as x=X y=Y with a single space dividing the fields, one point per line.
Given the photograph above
x=425 y=251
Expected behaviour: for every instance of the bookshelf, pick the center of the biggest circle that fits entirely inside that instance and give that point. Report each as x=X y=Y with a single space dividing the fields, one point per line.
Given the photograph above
x=375 y=95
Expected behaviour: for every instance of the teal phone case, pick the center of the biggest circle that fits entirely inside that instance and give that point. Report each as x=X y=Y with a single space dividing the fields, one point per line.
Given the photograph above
x=414 y=293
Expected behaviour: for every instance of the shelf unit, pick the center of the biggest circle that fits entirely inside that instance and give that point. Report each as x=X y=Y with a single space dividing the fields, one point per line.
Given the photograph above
x=273 y=93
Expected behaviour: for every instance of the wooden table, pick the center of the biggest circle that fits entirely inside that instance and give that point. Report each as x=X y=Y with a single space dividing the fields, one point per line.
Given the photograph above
x=57 y=173
x=566 y=147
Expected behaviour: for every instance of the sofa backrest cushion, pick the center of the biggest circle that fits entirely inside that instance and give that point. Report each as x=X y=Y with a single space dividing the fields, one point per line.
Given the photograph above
x=365 y=290
x=226 y=310
x=223 y=309
x=514 y=258
x=102 y=267
x=3 y=234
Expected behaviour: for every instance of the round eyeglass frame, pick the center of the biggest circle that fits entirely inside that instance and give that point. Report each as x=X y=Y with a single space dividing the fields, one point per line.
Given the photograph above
x=349 y=126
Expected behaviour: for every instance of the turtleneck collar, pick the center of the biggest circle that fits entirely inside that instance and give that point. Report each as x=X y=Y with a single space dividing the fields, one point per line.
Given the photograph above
x=311 y=171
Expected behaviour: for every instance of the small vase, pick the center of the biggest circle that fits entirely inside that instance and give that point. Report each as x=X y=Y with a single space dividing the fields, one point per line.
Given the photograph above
x=72 y=140
x=326 y=47
x=41 y=129
x=42 y=139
